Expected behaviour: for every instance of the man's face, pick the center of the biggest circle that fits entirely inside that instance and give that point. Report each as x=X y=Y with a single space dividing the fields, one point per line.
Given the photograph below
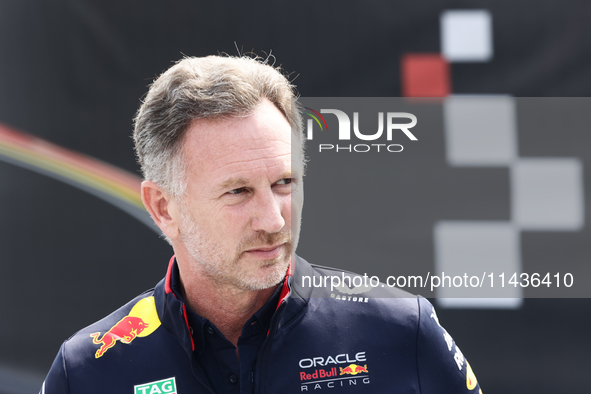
x=236 y=216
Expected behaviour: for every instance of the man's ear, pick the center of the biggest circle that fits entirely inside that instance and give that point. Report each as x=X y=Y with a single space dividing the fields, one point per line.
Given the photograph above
x=162 y=207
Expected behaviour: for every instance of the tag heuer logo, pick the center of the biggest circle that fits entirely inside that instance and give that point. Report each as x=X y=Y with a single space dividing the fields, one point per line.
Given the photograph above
x=165 y=386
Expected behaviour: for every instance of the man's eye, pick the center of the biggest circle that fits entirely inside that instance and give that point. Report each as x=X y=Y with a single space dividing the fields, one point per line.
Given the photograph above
x=237 y=191
x=285 y=181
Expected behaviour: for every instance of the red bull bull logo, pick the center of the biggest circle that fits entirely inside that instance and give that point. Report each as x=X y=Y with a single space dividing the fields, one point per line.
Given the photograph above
x=141 y=321
x=353 y=369
x=125 y=331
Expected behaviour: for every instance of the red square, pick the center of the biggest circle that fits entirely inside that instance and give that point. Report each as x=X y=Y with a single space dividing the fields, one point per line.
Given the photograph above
x=425 y=75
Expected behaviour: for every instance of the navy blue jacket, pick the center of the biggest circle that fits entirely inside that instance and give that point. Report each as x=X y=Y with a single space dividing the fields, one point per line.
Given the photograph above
x=349 y=341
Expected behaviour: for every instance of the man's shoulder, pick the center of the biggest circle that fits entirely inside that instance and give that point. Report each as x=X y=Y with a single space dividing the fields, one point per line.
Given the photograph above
x=320 y=281
x=132 y=339
x=137 y=318
x=354 y=294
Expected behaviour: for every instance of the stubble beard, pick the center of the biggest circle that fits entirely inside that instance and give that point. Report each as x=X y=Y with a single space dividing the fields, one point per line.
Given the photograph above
x=223 y=268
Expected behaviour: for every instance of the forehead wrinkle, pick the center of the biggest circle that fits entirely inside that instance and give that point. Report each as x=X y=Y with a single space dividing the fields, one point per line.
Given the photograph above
x=204 y=159
x=238 y=145
x=255 y=159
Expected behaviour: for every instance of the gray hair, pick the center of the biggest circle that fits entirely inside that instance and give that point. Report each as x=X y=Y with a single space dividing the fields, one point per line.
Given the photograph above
x=198 y=88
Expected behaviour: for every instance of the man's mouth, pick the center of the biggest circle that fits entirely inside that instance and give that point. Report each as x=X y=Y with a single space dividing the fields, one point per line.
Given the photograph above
x=266 y=252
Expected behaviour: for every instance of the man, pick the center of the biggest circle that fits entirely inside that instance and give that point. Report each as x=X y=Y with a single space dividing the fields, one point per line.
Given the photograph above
x=223 y=181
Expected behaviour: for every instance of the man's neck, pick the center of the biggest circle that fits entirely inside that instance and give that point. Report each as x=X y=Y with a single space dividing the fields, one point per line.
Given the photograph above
x=227 y=307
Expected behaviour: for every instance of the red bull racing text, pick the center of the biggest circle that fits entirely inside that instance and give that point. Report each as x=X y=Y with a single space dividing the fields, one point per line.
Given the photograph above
x=324 y=375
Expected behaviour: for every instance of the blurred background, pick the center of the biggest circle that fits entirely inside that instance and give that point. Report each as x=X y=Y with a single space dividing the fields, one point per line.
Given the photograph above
x=76 y=244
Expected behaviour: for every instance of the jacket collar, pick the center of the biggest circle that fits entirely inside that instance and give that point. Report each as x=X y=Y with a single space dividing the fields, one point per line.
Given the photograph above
x=172 y=311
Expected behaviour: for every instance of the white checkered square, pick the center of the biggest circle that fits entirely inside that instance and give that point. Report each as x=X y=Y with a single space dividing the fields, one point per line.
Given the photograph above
x=466 y=35
x=547 y=194
x=466 y=249
x=480 y=130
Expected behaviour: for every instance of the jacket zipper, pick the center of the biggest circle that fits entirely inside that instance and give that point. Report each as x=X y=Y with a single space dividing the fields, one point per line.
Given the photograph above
x=273 y=329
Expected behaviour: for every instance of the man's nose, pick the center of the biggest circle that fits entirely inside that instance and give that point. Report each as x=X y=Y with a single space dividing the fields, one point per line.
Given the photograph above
x=266 y=212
